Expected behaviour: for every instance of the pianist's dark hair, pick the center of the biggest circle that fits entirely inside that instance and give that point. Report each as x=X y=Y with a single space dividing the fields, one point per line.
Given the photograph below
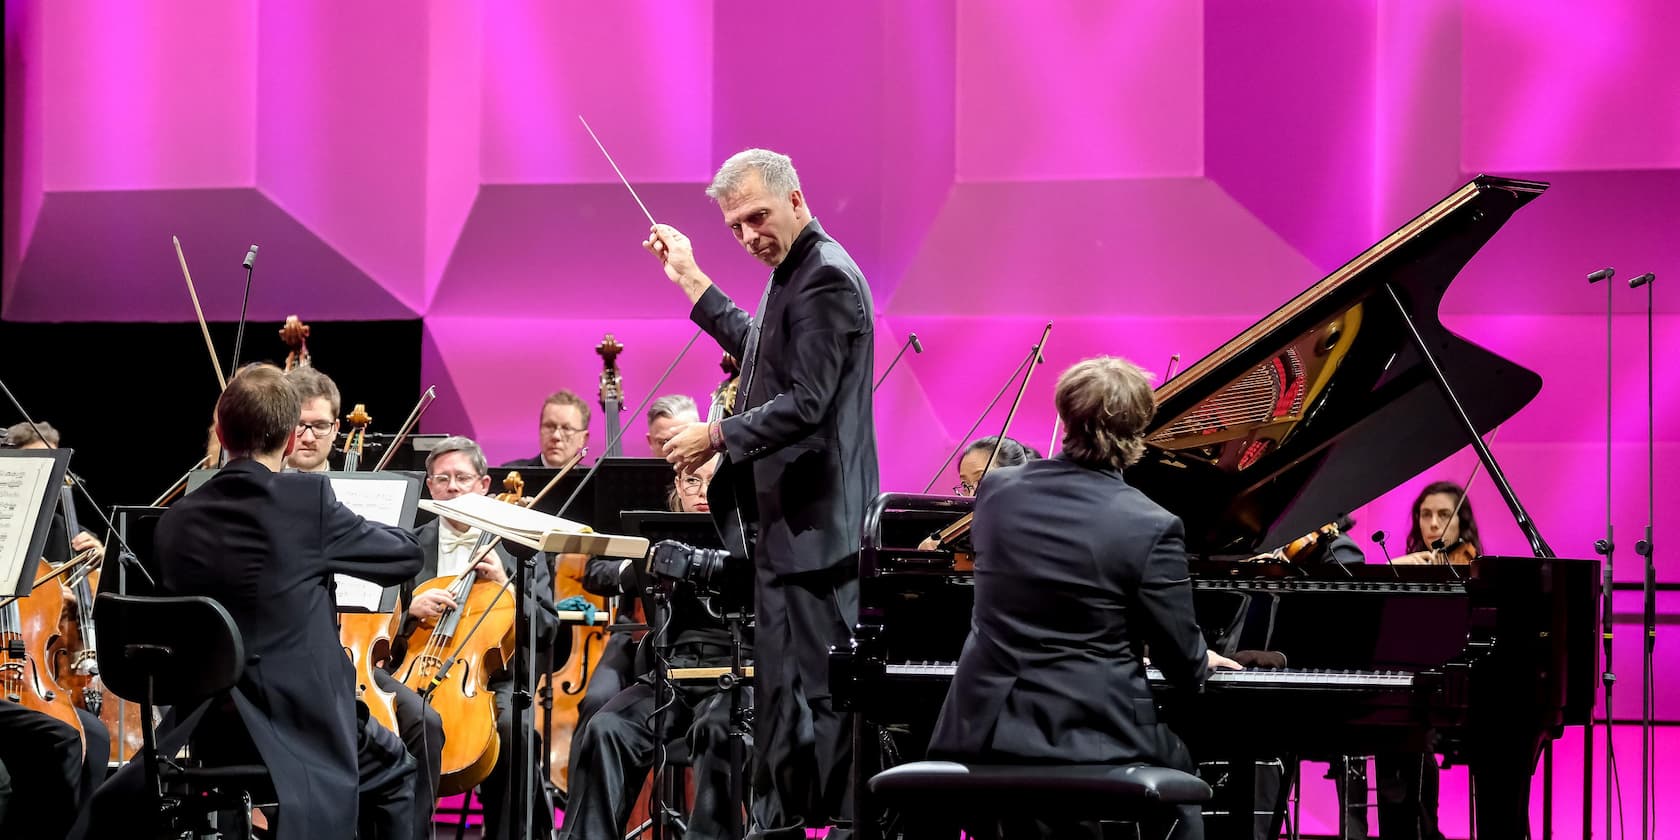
x=1466 y=519
x=1105 y=403
x=1012 y=453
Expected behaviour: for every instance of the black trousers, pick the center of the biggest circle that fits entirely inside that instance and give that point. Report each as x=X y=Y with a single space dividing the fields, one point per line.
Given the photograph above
x=1408 y=796
x=496 y=795
x=44 y=756
x=385 y=792
x=615 y=672
x=803 y=751
x=619 y=747
x=421 y=730
x=97 y=759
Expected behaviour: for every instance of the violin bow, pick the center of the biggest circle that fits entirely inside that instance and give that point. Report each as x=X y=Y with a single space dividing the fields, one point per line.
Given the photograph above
x=215 y=361
x=1032 y=361
x=407 y=426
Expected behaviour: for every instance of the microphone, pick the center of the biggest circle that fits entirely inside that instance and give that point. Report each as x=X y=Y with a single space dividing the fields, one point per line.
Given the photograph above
x=1381 y=539
x=1601 y=274
x=913 y=342
x=1642 y=279
x=250 y=257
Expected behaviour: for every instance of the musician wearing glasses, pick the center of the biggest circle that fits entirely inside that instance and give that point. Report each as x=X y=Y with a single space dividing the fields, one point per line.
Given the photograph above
x=317 y=428
x=457 y=467
x=562 y=430
x=613 y=577
x=615 y=751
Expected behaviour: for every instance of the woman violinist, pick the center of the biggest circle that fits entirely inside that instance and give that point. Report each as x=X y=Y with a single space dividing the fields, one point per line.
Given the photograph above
x=1443 y=528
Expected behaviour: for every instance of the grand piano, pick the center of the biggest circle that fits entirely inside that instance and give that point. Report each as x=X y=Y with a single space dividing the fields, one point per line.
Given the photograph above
x=1341 y=394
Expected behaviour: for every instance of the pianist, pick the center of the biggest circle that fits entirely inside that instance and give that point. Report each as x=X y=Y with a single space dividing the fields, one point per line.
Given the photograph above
x=1073 y=569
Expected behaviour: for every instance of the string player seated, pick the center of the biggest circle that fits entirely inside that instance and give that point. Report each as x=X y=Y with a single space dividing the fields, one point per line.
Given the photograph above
x=617 y=749
x=266 y=546
x=619 y=664
x=456 y=466
x=562 y=429
x=418 y=724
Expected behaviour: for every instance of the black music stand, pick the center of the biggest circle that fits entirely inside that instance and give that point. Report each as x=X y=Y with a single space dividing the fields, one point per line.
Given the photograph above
x=43 y=507
x=136 y=527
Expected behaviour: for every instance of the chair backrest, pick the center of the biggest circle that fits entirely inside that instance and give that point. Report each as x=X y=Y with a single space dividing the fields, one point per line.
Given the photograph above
x=188 y=645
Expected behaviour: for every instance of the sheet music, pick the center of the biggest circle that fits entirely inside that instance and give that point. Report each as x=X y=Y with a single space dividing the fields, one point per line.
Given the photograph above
x=23 y=483
x=376 y=500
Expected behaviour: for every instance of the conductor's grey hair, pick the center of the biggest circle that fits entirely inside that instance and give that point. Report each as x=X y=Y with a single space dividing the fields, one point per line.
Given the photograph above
x=775 y=168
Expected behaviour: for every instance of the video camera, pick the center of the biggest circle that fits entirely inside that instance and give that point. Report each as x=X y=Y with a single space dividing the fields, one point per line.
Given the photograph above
x=710 y=571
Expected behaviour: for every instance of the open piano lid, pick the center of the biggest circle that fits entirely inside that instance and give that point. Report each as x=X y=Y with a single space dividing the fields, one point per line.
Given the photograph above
x=1325 y=404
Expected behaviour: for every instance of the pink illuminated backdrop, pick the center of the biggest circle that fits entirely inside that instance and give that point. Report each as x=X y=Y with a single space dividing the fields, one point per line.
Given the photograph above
x=1151 y=176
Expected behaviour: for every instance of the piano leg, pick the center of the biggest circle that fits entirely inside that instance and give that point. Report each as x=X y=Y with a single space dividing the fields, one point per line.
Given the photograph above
x=1502 y=767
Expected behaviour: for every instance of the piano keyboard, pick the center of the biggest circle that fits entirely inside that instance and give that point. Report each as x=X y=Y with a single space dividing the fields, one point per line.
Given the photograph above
x=1256 y=678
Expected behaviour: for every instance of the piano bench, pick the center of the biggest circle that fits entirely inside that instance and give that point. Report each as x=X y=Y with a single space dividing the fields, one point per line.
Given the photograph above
x=1063 y=791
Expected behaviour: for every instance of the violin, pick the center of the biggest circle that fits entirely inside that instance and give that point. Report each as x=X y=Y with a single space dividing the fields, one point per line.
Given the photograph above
x=28 y=631
x=1310 y=547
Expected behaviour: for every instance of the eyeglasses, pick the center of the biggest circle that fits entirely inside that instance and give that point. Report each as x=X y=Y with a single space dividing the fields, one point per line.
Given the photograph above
x=321 y=428
x=551 y=428
x=962 y=488
x=446 y=479
x=691 y=485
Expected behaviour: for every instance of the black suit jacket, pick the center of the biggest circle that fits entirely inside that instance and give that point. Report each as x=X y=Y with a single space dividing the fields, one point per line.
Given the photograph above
x=539 y=601
x=533 y=461
x=1073 y=571
x=801 y=458
x=266 y=546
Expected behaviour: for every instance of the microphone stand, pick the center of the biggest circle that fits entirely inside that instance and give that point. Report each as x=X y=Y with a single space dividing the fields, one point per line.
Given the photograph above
x=963 y=441
x=1607 y=548
x=239 y=335
x=1646 y=548
x=913 y=342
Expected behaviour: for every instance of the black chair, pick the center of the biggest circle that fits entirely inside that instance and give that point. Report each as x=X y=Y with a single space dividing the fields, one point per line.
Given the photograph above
x=939 y=796
x=179 y=652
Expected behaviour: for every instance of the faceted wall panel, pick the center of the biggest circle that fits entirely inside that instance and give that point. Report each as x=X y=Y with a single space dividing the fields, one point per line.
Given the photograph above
x=1150 y=176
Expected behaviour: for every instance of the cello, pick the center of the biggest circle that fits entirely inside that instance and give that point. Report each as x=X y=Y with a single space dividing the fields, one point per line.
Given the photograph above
x=586 y=643
x=365 y=636
x=28 y=631
x=75 y=663
x=453 y=657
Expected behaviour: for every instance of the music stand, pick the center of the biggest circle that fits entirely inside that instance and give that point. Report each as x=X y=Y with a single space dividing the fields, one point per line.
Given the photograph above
x=36 y=487
x=386 y=497
x=136 y=525
x=626 y=484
